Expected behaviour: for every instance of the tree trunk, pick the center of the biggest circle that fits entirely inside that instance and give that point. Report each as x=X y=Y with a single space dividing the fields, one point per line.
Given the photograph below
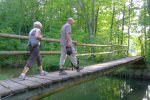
x=111 y=30
x=148 y=9
x=145 y=35
x=111 y=27
x=129 y=25
x=122 y=35
x=82 y=5
x=96 y=20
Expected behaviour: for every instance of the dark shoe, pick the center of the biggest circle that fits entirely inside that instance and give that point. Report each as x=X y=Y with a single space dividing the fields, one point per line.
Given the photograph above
x=78 y=68
x=62 y=72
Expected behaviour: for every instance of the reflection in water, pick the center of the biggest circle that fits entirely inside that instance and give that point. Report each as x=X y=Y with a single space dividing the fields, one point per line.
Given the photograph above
x=125 y=89
x=147 y=93
x=105 y=88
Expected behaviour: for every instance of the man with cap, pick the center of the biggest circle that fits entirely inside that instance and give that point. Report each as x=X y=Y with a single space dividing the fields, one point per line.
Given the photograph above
x=34 y=43
x=67 y=47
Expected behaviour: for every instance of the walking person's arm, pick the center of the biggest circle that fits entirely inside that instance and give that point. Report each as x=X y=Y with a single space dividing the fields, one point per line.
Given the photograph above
x=68 y=35
x=38 y=34
x=68 y=39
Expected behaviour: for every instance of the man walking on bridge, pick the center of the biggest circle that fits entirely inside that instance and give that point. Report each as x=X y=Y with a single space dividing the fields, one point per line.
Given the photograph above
x=67 y=47
x=34 y=43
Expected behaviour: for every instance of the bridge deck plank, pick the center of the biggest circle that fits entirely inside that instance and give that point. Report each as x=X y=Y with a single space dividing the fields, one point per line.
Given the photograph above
x=4 y=91
x=35 y=81
x=52 y=78
x=13 y=86
x=40 y=80
x=28 y=83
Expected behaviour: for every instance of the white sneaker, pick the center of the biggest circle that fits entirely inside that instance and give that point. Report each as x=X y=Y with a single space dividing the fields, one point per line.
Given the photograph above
x=43 y=73
x=23 y=77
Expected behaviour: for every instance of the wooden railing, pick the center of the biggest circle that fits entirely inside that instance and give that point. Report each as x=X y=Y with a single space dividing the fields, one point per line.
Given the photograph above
x=4 y=35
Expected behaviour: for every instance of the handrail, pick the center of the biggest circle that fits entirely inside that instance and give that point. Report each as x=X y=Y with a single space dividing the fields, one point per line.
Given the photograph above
x=93 y=45
x=120 y=45
x=119 y=50
x=96 y=45
x=45 y=53
x=5 y=35
x=89 y=54
x=27 y=52
x=53 y=53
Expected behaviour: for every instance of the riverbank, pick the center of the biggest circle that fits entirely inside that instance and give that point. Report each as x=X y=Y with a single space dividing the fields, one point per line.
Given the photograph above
x=136 y=73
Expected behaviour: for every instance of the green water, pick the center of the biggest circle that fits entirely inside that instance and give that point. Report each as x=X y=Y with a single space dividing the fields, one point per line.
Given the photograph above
x=105 y=88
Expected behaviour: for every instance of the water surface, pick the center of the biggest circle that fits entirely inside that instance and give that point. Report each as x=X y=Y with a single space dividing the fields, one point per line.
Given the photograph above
x=105 y=88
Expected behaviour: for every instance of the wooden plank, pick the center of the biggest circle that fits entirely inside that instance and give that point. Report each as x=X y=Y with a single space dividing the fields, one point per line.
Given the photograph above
x=40 y=80
x=63 y=77
x=48 y=53
x=28 y=83
x=120 y=50
x=93 y=45
x=89 y=54
x=107 y=65
x=73 y=74
x=52 y=78
x=4 y=91
x=27 y=52
x=13 y=36
x=70 y=74
x=86 y=71
x=13 y=86
x=125 y=45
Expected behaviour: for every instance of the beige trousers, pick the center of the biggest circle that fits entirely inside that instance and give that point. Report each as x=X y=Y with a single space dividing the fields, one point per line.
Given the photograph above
x=64 y=55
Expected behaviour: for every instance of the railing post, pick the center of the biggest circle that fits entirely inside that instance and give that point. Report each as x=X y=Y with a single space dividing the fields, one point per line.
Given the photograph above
x=112 y=50
x=84 y=52
x=92 y=56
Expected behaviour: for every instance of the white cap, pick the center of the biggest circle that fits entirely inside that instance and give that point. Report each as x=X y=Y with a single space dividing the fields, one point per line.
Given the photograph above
x=37 y=23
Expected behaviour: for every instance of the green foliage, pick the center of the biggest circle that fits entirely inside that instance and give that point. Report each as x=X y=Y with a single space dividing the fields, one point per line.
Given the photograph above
x=148 y=56
x=51 y=62
x=17 y=16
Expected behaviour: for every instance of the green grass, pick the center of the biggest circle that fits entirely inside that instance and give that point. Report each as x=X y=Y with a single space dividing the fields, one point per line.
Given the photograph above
x=50 y=63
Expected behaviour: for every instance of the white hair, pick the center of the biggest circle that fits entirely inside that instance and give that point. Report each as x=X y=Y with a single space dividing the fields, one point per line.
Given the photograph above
x=37 y=23
x=71 y=19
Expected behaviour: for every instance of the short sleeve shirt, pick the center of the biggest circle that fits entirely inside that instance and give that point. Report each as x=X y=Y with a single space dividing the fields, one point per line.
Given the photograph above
x=32 y=39
x=65 y=30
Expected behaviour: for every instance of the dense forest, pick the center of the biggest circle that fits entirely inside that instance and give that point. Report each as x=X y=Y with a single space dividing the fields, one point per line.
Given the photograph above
x=105 y=22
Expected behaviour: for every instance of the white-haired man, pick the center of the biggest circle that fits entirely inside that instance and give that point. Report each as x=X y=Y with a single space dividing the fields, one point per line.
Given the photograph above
x=34 y=43
x=66 y=45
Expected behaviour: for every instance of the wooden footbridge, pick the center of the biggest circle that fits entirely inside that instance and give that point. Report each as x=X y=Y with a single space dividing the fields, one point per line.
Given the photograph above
x=35 y=85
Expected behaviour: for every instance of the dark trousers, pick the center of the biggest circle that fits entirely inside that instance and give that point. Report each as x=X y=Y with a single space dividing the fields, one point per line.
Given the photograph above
x=34 y=56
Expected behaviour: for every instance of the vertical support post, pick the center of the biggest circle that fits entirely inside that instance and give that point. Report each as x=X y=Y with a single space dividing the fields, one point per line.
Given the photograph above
x=92 y=56
x=84 y=53
x=111 y=31
x=129 y=25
